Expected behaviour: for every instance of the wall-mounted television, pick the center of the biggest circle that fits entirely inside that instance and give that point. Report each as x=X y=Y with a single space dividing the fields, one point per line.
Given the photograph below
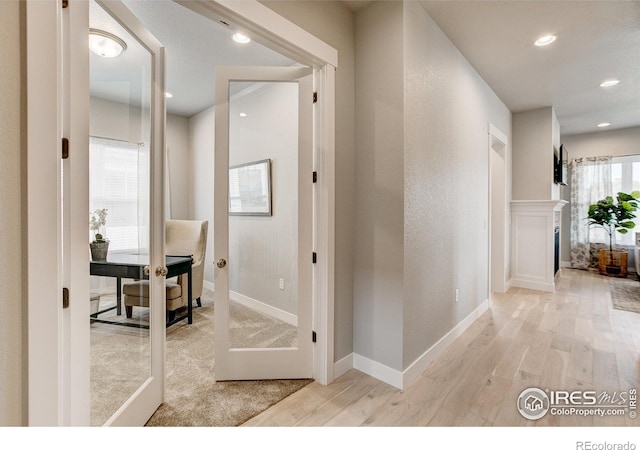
x=561 y=165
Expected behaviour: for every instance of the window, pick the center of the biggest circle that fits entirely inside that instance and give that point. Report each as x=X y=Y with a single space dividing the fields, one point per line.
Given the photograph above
x=625 y=177
x=119 y=182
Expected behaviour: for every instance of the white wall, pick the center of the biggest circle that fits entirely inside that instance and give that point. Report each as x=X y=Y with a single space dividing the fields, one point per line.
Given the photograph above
x=13 y=354
x=379 y=206
x=114 y=120
x=621 y=142
x=332 y=22
x=447 y=110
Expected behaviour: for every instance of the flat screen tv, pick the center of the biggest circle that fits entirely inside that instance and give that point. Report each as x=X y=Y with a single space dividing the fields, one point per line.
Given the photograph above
x=561 y=166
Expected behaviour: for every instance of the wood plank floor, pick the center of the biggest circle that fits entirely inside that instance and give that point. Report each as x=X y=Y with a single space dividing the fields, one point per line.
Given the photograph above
x=571 y=339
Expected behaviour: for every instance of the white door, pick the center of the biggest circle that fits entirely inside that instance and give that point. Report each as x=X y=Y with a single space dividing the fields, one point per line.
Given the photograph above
x=263 y=223
x=126 y=159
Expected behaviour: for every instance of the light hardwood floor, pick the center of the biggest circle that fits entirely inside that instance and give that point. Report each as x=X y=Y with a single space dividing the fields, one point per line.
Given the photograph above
x=571 y=339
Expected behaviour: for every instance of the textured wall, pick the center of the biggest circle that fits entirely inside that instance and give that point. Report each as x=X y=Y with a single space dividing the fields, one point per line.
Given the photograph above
x=379 y=237
x=447 y=110
x=11 y=310
x=332 y=22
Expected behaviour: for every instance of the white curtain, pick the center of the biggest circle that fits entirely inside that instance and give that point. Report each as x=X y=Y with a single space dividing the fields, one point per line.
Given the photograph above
x=119 y=181
x=590 y=182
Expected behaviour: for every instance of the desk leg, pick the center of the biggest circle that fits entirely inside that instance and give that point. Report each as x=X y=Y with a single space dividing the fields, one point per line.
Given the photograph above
x=189 y=298
x=119 y=296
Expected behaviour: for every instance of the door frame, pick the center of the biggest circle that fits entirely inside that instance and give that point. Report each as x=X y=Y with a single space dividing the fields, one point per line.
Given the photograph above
x=498 y=233
x=53 y=347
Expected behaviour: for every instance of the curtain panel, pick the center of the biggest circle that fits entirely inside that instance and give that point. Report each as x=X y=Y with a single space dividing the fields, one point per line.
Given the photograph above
x=590 y=182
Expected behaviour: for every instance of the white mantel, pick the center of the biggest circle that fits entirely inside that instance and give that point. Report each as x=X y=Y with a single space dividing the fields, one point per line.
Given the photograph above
x=532 y=250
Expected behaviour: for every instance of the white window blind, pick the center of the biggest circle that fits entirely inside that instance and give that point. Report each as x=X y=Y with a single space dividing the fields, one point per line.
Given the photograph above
x=119 y=182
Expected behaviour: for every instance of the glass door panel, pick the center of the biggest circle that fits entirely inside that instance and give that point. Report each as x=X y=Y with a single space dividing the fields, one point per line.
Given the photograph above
x=126 y=117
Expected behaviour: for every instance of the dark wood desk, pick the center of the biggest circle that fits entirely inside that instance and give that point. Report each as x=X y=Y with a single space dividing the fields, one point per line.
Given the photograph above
x=120 y=265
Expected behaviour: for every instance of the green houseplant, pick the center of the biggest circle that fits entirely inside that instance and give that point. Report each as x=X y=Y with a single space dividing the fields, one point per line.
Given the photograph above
x=99 y=246
x=614 y=215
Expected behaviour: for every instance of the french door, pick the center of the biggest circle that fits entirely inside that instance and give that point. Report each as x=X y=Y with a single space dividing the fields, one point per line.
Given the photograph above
x=263 y=223
x=127 y=154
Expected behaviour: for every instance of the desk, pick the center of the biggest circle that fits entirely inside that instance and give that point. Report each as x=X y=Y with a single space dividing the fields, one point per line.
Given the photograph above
x=120 y=265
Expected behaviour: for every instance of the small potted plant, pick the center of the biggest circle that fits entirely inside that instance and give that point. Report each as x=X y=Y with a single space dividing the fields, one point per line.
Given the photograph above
x=614 y=216
x=100 y=246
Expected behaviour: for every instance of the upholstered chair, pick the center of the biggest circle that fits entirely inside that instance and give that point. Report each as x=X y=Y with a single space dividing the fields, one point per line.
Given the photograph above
x=183 y=238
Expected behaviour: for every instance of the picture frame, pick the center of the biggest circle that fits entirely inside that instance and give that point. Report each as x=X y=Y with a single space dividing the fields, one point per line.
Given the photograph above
x=250 y=189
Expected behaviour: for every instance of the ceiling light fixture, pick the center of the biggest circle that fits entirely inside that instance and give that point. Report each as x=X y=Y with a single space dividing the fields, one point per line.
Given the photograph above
x=603 y=124
x=609 y=83
x=545 y=40
x=105 y=44
x=241 y=38
x=168 y=95
x=243 y=114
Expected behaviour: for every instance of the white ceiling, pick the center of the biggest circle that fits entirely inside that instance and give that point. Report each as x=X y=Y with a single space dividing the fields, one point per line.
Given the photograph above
x=194 y=47
x=597 y=40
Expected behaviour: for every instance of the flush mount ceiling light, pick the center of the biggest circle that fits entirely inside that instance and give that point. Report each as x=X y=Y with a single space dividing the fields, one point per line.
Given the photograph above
x=545 y=40
x=168 y=94
x=241 y=38
x=105 y=44
x=243 y=114
x=609 y=83
x=603 y=124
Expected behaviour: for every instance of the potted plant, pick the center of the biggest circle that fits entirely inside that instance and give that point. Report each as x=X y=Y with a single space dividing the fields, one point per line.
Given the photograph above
x=614 y=216
x=100 y=246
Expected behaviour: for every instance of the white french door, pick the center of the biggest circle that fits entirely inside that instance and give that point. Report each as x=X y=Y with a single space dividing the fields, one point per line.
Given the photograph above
x=127 y=355
x=263 y=223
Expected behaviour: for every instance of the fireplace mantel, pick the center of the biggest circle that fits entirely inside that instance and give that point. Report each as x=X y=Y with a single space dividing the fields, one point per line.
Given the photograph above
x=533 y=249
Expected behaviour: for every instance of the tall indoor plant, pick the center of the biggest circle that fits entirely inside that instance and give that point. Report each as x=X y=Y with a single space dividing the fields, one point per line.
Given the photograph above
x=614 y=215
x=100 y=246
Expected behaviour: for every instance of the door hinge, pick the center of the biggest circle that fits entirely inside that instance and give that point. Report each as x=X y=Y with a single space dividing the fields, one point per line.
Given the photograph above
x=315 y=97
x=313 y=336
x=314 y=257
x=65 y=148
x=315 y=177
x=65 y=298
x=65 y=3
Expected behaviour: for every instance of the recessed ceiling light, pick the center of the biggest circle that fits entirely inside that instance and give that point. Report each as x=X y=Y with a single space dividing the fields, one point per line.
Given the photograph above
x=241 y=38
x=545 y=40
x=168 y=94
x=243 y=114
x=105 y=44
x=609 y=83
x=603 y=124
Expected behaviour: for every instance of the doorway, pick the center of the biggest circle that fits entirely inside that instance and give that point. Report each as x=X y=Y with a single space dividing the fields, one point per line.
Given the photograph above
x=498 y=218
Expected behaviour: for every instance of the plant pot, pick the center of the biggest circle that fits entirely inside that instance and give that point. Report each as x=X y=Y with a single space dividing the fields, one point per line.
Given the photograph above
x=613 y=264
x=99 y=250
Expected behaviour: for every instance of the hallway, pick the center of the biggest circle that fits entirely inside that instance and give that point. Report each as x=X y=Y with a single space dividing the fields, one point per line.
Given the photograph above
x=571 y=339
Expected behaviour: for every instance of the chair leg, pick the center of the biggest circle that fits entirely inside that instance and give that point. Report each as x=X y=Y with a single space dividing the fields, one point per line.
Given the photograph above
x=198 y=302
x=170 y=316
x=129 y=311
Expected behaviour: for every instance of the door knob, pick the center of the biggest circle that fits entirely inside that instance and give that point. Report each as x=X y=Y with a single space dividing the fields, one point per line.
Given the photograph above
x=161 y=271
x=145 y=270
x=221 y=263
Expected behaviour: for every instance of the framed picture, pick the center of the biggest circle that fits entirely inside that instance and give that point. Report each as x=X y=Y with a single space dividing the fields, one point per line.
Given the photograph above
x=250 y=189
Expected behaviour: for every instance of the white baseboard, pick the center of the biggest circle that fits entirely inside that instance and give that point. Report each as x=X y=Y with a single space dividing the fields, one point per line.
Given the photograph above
x=535 y=285
x=263 y=308
x=402 y=379
x=378 y=370
x=209 y=285
x=420 y=365
x=343 y=366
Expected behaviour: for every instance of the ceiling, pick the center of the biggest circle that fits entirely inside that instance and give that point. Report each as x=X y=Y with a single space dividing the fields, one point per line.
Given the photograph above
x=596 y=41
x=194 y=47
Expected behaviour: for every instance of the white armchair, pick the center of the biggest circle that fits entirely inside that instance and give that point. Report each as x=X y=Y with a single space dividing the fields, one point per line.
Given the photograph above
x=183 y=237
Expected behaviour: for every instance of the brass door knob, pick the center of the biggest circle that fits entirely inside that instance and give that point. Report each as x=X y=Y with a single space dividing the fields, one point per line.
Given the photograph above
x=221 y=263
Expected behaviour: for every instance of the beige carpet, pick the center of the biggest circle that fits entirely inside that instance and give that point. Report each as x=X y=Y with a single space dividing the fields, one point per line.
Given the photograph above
x=625 y=294
x=193 y=397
